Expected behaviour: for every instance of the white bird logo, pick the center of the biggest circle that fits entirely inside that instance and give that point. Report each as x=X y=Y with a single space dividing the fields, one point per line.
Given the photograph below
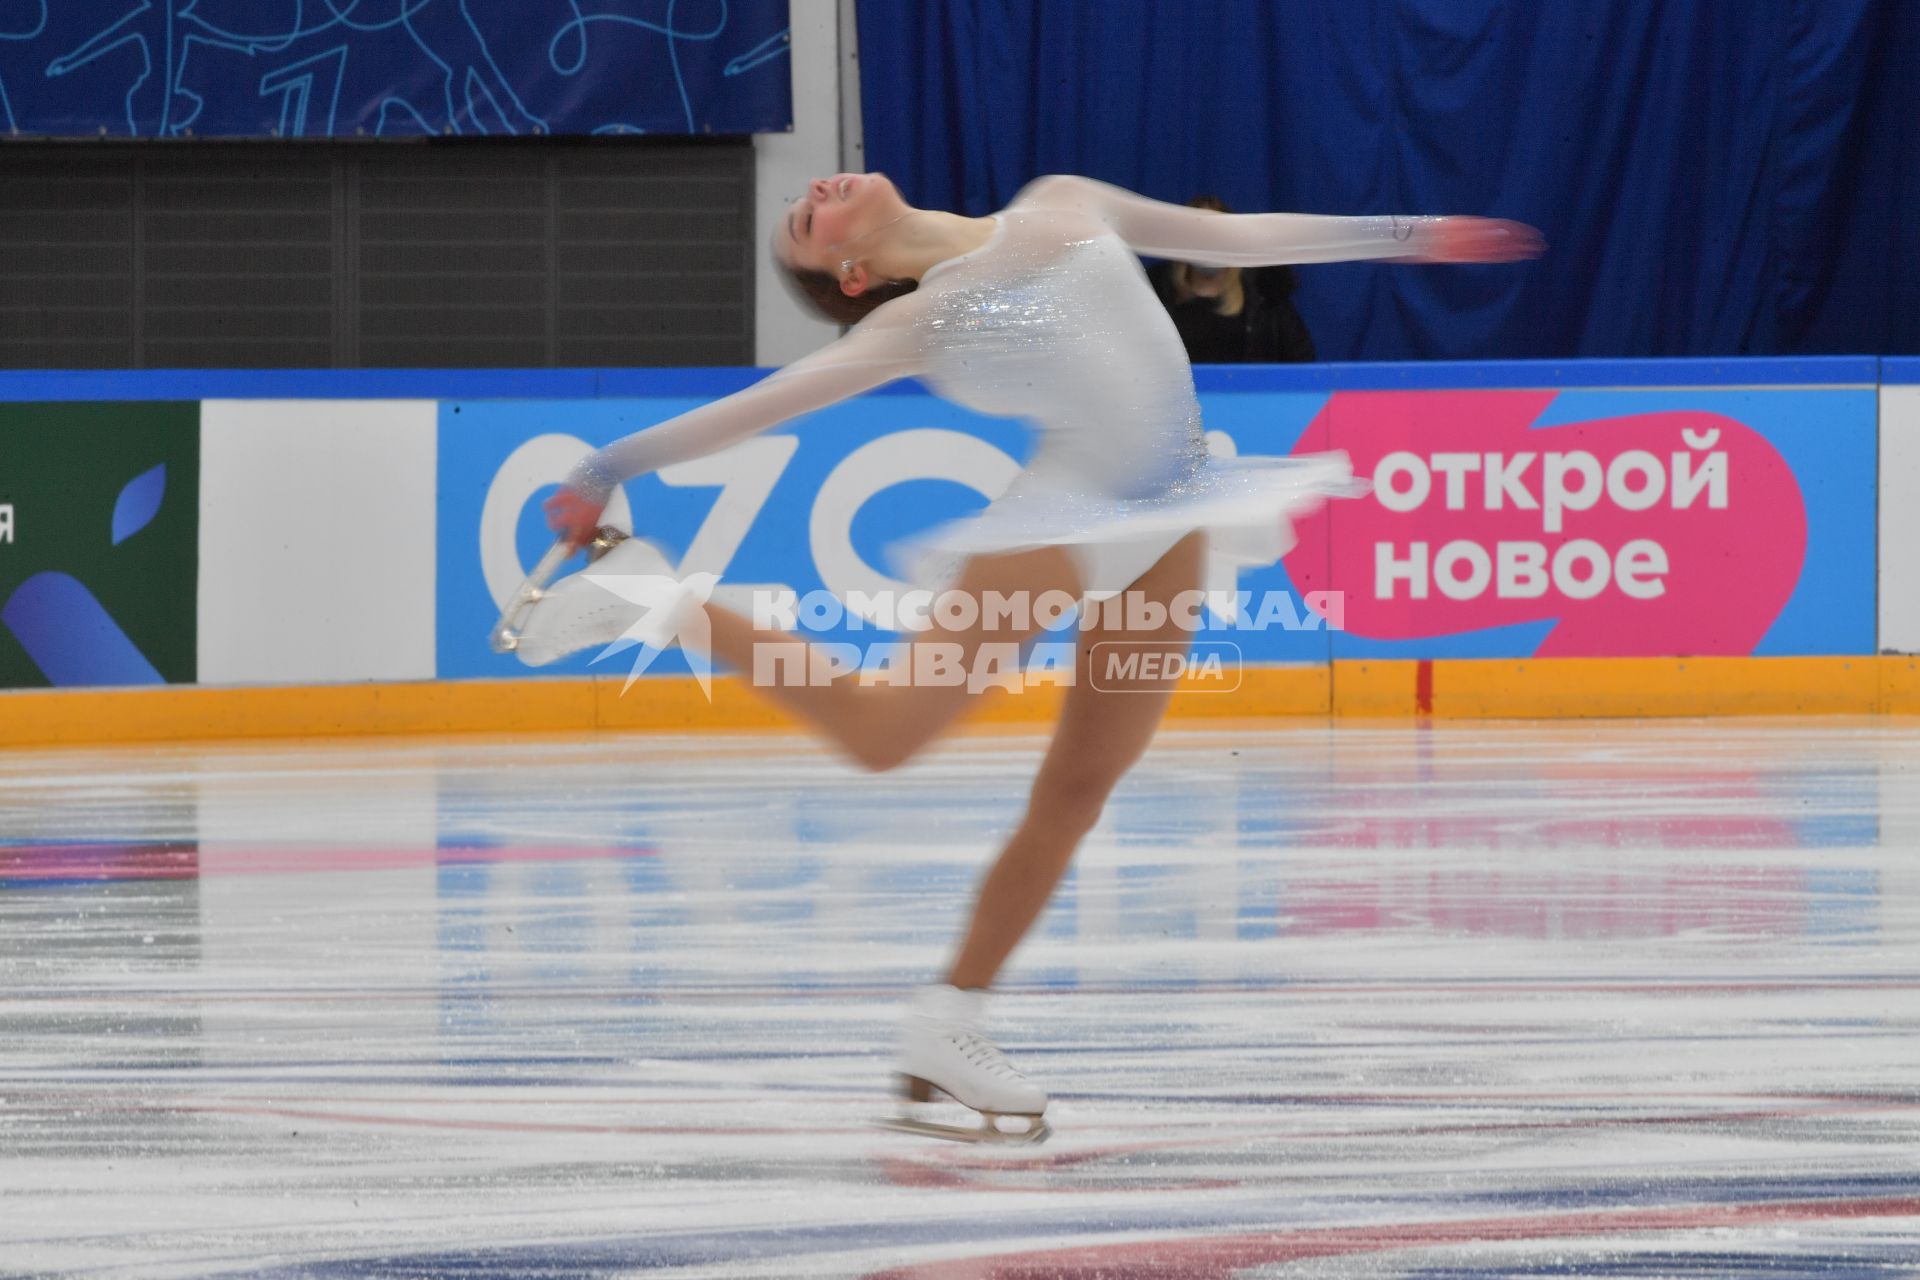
x=671 y=614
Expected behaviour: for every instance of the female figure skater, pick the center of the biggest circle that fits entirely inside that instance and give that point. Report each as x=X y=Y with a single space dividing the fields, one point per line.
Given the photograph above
x=1041 y=311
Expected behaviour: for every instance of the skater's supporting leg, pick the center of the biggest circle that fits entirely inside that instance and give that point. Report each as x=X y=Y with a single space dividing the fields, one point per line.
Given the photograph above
x=1104 y=728
x=882 y=726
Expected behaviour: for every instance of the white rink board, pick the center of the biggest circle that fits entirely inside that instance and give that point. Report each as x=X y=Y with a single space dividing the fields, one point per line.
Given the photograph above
x=1900 y=519
x=317 y=516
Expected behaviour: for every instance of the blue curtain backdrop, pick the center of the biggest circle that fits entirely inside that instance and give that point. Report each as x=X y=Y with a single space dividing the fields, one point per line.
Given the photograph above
x=1716 y=177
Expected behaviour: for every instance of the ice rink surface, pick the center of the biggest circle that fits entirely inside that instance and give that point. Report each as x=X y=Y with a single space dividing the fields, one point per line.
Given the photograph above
x=1571 y=999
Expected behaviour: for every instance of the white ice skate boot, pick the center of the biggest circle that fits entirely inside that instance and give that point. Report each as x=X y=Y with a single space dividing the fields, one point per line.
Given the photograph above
x=629 y=591
x=941 y=1048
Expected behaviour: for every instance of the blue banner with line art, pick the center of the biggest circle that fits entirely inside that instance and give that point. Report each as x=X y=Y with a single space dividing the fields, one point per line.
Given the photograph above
x=392 y=68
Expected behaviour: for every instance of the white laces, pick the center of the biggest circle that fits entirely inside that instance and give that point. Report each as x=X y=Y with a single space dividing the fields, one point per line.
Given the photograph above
x=982 y=1054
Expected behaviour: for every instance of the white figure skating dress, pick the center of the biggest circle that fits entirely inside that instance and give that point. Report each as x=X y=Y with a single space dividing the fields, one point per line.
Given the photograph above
x=1052 y=321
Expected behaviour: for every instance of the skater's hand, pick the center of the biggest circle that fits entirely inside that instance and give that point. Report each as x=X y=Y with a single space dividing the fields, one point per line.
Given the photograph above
x=573 y=516
x=1468 y=239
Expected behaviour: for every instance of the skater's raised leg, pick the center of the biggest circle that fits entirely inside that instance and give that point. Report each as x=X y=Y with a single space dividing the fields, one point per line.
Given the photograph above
x=884 y=725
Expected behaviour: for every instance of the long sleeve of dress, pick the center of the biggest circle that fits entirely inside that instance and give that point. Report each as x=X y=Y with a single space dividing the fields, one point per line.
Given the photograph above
x=880 y=349
x=1201 y=236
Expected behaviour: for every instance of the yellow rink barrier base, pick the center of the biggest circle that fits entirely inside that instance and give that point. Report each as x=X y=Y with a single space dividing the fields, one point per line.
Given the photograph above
x=1489 y=688
x=1447 y=688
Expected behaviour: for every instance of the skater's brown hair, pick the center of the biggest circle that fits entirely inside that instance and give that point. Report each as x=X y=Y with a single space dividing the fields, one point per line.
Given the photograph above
x=821 y=291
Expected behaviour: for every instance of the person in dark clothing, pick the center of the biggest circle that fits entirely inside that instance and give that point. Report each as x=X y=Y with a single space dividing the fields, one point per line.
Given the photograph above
x=1230 y=315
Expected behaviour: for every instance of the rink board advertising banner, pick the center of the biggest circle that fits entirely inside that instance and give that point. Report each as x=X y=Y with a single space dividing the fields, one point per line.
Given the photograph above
x=1586 y=523
x=99 y=543
x=287 y=69
x=810 y=508
x=1655 y=517
x=1502 y=523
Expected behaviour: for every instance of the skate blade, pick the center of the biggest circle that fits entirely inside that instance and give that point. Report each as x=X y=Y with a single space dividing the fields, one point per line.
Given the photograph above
x=986 y=1133
x=506 y=634
x=505 y=637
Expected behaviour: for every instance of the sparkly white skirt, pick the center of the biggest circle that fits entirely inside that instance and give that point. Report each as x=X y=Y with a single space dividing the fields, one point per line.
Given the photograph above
x=1245 y=505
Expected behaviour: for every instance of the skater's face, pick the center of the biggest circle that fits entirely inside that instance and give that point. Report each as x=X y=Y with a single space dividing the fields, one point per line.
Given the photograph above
x=828 y=227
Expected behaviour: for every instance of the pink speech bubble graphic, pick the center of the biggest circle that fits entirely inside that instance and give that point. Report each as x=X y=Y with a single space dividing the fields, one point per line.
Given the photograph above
x=1658 y=534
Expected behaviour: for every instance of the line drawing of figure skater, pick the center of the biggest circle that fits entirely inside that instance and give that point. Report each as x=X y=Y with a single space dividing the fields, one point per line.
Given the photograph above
x=151 y=30
x=20 y=20
x=470 y=93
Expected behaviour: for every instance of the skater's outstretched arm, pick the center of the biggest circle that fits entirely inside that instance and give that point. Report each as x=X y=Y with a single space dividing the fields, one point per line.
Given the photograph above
x=880 y=349
x=1210 y=239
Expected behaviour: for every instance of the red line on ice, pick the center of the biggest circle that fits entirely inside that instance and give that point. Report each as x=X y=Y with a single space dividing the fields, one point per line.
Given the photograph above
x=1220 y=1257
x=188 y=862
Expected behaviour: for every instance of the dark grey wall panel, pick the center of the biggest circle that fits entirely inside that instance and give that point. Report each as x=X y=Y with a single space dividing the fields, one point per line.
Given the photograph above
x=454 y=255
x=454 y=259
x=67 y=244
x=237 y=261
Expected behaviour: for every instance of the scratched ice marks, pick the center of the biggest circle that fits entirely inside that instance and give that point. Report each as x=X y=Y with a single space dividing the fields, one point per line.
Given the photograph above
x=1616 y=999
